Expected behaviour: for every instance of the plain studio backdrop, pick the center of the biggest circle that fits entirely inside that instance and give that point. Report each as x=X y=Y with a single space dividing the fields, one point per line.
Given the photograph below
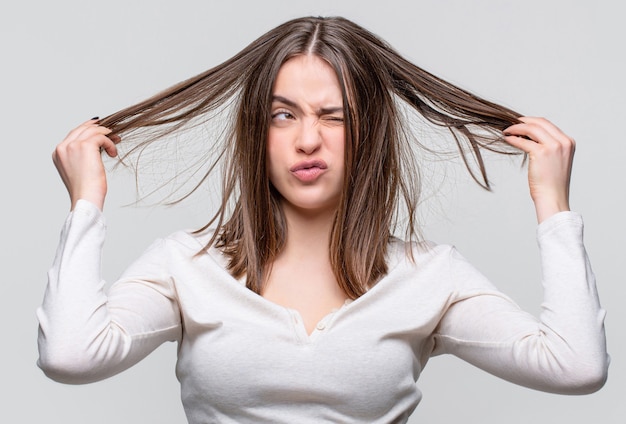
x=66 y=61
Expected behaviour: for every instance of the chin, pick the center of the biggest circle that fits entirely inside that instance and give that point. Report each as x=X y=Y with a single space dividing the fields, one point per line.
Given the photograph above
x=311 y=205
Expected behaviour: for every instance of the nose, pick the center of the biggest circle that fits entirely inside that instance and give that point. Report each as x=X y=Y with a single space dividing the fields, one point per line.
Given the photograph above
x=310 y=138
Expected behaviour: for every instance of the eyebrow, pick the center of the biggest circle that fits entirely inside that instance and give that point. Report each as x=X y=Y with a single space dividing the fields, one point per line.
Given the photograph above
x=321 y=111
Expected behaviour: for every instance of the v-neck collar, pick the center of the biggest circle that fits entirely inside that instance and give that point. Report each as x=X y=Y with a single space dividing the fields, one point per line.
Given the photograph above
x=394 y=257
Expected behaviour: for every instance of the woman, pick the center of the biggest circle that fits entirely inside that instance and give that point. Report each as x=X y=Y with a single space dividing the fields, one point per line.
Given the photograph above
x=296 y=302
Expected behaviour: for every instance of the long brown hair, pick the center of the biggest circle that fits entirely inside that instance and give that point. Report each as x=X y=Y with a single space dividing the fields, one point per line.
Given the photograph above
x=378 y=85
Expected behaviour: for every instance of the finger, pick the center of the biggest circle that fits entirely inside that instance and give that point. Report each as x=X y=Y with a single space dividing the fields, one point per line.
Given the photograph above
x=76 y=131
x=537 y=128
x=524 y=144
x=527 y=129
x=91 y=131
x=94 y=134
x=109 y=146
x=533 y=138
x=92 y=139
x=527 y=137
x=566 y=142
x=545 y=124
x=114 y=138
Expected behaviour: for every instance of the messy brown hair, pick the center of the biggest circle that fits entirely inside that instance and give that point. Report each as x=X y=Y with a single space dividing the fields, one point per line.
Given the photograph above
x=378 y=86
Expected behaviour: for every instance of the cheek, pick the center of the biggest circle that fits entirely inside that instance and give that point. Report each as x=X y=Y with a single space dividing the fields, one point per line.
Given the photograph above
x=338 y=146
x=275 y=145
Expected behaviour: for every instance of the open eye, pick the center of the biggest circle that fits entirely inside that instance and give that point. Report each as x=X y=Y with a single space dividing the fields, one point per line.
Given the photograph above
x=281 y=115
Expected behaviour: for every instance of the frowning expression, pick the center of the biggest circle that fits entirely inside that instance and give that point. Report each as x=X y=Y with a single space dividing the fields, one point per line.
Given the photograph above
x=306 y=139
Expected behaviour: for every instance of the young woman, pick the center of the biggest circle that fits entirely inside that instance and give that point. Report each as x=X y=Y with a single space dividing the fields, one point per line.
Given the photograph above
x=296 y=302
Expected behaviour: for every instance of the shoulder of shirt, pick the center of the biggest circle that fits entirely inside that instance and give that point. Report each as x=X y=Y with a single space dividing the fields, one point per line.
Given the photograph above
x=416 y=251
x=191 y=239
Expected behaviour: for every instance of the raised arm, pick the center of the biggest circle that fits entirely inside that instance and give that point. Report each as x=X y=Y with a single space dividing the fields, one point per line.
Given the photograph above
x=85 y=333
x=550 y=156
x=564 y=350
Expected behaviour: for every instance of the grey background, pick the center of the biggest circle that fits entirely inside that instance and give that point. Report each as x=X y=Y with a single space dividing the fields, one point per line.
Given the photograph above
x=66 y=61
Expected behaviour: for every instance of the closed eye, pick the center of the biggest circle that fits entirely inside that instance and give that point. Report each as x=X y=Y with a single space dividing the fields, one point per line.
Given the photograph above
x=333 y=119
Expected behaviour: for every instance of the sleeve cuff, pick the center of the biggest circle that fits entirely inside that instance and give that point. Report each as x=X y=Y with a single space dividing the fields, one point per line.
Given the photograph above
x=89 y=211
x=568 y=218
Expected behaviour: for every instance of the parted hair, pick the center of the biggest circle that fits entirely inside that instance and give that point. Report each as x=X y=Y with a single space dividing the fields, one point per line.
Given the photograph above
x=378 y=85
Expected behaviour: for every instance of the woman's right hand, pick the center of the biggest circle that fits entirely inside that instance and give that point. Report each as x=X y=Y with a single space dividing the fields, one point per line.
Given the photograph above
x=78 y=160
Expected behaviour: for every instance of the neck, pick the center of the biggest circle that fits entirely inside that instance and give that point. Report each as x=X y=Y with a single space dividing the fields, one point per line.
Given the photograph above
x=308 y=233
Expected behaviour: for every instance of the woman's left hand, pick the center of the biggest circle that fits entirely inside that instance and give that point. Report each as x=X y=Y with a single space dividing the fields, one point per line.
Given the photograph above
x=550 y=153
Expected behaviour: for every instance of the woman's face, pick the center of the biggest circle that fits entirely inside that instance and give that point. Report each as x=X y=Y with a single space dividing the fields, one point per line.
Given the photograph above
x=305 y=145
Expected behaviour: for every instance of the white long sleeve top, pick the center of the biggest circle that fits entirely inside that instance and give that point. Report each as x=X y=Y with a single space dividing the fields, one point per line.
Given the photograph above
x=244 y=359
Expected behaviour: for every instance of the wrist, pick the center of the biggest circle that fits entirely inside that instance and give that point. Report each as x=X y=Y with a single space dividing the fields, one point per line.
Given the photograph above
x=97 y=200
x=545 y=209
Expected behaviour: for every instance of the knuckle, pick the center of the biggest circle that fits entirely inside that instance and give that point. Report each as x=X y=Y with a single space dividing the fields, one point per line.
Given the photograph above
x=58 y=150
x=569 y=144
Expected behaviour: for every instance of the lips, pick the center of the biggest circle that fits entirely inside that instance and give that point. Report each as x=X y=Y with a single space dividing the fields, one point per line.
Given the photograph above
x=308 y=171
